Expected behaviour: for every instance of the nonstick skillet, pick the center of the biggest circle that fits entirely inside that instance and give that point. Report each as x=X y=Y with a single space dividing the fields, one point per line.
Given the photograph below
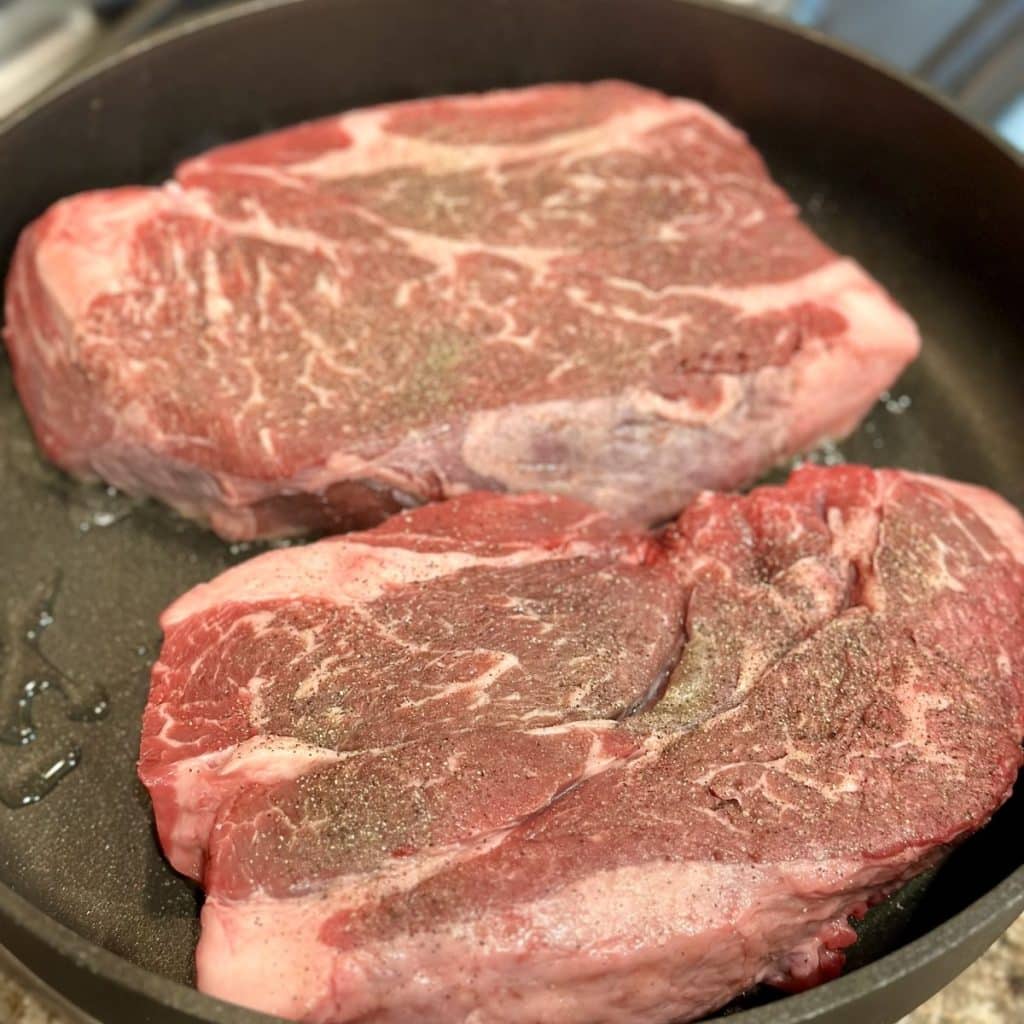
x=882 y=170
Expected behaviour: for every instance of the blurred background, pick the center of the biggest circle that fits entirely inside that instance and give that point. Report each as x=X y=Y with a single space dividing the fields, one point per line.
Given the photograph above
x=971 y=50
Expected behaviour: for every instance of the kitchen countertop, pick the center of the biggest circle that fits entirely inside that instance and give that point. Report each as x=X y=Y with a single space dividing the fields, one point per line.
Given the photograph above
x=990 y=991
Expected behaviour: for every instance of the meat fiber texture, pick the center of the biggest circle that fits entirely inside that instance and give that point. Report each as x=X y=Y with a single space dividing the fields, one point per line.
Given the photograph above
x=509 y=759
x=588 y=290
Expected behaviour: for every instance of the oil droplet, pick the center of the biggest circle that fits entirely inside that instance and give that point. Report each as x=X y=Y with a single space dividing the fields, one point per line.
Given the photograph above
x=29 y=787
x=93 y=507
x=897 y=406
x=22 y=730
x=92 y=708
x=827 y=453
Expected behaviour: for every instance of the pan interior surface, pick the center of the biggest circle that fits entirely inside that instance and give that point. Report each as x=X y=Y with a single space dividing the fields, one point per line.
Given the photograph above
x=86 y=571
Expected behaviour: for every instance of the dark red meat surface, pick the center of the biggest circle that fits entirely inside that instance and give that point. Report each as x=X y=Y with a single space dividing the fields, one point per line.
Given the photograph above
x=511 y=759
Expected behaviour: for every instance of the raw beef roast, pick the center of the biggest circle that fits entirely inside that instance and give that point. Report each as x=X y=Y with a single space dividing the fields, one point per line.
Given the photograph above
x=594 y=290
x=508 y=759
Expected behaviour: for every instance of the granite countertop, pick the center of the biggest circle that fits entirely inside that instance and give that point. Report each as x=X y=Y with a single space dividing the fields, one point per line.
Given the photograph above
x=991 y=991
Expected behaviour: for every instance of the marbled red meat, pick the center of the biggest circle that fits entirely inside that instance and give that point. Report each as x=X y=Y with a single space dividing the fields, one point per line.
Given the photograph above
x=595 y=291
x=509 y=759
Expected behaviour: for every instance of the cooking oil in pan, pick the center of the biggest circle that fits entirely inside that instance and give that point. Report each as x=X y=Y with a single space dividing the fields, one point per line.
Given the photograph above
x=93 y=507
x=33 y=759
x=31 y=781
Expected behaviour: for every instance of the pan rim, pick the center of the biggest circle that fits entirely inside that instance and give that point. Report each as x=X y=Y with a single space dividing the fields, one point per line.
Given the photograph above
x=17 y=913
x=253 y=8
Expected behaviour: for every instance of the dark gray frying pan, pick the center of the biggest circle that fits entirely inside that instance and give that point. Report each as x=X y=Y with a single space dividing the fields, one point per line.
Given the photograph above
x=885 y=172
